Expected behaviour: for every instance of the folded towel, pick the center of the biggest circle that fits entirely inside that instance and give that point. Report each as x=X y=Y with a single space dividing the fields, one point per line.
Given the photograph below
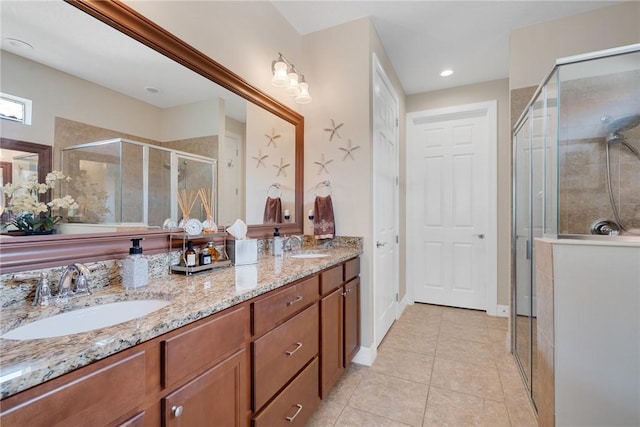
x=324 y=226
x=272 y=211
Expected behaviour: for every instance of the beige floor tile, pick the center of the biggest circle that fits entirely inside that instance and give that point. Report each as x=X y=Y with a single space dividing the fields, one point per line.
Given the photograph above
x=326 y=415
x=498 y=335
x=465 y=351
x=352 y=417
x=522 y=415
x=409 y=340
x=469 y=378
x=404 y=364
x=422 y=327
x=465 y=317
x=394 y=398
x=344 y=388
x=495 y=322
x=450 y=408
x=468 y=332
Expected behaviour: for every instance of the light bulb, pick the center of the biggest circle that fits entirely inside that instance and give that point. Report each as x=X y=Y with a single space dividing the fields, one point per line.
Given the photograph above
x=303 y=97
x=280 y=78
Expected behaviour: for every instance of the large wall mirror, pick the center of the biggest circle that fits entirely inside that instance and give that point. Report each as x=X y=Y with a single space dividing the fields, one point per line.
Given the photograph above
x=131 y=110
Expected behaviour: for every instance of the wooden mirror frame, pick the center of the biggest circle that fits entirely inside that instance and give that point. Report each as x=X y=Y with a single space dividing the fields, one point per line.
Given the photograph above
x=24 y=253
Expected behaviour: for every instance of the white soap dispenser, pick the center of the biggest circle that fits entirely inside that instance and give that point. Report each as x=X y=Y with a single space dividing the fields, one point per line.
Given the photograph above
x=135 y=268
x=277 y=243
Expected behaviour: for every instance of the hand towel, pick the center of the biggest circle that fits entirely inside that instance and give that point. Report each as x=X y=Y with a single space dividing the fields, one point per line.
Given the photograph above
x=324 y=226
x=272 y=211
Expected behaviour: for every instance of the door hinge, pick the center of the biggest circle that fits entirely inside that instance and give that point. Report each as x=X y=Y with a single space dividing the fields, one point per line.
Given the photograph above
x=397 y=239
x=397 y=122
x=397 y=297
x=397 y=180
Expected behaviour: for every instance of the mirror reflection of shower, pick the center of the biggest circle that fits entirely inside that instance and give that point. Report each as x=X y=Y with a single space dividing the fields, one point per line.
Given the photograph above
x=615 y=127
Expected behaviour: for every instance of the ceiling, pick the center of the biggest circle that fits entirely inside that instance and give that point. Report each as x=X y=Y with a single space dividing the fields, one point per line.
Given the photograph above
x=422 y=38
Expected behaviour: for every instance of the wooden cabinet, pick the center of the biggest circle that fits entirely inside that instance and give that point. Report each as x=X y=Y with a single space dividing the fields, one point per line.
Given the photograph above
x=339 y=322
x=264 y=361
x=215 y=398
x=108 y=391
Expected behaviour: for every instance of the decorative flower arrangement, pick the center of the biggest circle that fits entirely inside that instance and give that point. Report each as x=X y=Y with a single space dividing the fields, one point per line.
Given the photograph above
x=29 y=213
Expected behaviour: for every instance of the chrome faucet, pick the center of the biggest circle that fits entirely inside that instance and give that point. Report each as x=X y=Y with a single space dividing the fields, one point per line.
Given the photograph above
x=287 y=245
x=65 y=288
x=43 y=291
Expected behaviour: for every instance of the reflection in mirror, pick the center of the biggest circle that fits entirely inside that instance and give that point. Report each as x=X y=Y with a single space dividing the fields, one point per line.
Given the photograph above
x=102 y=90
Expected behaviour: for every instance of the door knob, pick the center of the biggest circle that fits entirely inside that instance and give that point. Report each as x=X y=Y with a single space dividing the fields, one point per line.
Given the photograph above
x=380 y=244
x=479 y=236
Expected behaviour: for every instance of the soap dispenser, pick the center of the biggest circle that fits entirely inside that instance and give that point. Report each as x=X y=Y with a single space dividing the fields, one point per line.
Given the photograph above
x=135 y=268
x=277 y=243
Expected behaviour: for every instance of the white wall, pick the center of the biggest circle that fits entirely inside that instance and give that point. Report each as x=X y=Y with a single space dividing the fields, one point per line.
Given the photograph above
x=55 y=93
x=534 y=49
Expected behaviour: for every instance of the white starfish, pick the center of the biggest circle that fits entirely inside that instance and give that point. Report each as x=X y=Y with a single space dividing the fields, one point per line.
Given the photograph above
x=272 y=138
x=334 y=130
x=348 y=150
x=323 y=165
x=281 y=167
x=260 y=158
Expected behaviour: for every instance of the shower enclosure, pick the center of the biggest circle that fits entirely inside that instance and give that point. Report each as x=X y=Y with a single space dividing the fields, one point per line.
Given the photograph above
x=576 y=171
x=128 y=183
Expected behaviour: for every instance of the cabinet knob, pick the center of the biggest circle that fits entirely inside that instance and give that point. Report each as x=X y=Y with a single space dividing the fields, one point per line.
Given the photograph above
x=177 y=410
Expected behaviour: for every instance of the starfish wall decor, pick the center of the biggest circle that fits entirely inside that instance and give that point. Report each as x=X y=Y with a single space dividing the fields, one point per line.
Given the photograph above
x=272 y=138
x=333 y=130
x=349 y=150
x=260 y=158
x=323 y=164
x=282 y=167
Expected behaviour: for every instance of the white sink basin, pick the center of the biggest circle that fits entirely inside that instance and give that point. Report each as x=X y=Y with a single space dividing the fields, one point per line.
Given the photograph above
x=307 y=256
x=85 y=319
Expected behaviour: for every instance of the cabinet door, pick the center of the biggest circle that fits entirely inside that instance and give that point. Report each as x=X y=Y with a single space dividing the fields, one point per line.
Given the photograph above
x=218 y=397
x=331 y=340
x=351 y=320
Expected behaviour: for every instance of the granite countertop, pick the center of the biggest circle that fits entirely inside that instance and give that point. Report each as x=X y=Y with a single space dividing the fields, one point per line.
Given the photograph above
x=24 y=364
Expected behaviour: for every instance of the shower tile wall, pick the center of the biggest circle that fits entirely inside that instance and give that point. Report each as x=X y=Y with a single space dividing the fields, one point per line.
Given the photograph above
x=583 y=166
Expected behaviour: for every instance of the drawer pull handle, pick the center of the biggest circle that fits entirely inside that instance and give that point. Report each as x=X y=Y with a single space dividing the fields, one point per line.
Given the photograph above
x=290 y=419
x=177 y=410
x=298 y=298
x=298 y=346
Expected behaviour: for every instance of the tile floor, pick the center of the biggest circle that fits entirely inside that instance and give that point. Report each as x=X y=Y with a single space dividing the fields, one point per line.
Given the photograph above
x=437 y=366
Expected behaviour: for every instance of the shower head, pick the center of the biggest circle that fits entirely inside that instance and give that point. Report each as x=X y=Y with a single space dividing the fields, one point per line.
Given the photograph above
x=619 y=124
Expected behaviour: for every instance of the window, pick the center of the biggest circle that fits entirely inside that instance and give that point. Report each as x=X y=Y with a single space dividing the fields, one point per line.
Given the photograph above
x=15 y=108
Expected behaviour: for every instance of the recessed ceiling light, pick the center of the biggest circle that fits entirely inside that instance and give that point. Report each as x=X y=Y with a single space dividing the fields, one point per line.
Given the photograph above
x=446 y=73
x=152 y=89
x=17 y=44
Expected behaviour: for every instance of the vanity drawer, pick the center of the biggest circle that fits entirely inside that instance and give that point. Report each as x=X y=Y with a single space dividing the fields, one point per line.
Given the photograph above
x=351 y=269
x=214 y=339
x=281 y=353
x=330 y=279
x=99 y=397
x=269 y=311
x=295 y=405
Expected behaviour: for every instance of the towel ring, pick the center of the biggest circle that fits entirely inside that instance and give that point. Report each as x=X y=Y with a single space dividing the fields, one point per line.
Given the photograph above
x=278 y=190
x=323 y=185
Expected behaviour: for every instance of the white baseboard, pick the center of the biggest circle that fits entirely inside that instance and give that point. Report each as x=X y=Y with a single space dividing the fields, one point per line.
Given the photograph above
x=366 y=356
x=403 y=304
x=502 y=311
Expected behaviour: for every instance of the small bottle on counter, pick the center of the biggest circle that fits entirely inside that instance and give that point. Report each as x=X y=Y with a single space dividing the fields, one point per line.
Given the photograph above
x=205 y=256
x=190 y=255
x=215 y=255
x=135 y=268
x=277 y=243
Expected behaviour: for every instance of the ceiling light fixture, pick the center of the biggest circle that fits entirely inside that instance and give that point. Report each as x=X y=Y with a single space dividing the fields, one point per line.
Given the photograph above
x=287 y=76
x=446 y=73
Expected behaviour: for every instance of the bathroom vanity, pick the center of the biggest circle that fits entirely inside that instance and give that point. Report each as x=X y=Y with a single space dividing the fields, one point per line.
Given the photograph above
x=224 y=349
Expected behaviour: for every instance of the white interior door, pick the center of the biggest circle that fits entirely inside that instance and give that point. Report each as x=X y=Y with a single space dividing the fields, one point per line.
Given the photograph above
x=451 y=206
x=385 y=202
